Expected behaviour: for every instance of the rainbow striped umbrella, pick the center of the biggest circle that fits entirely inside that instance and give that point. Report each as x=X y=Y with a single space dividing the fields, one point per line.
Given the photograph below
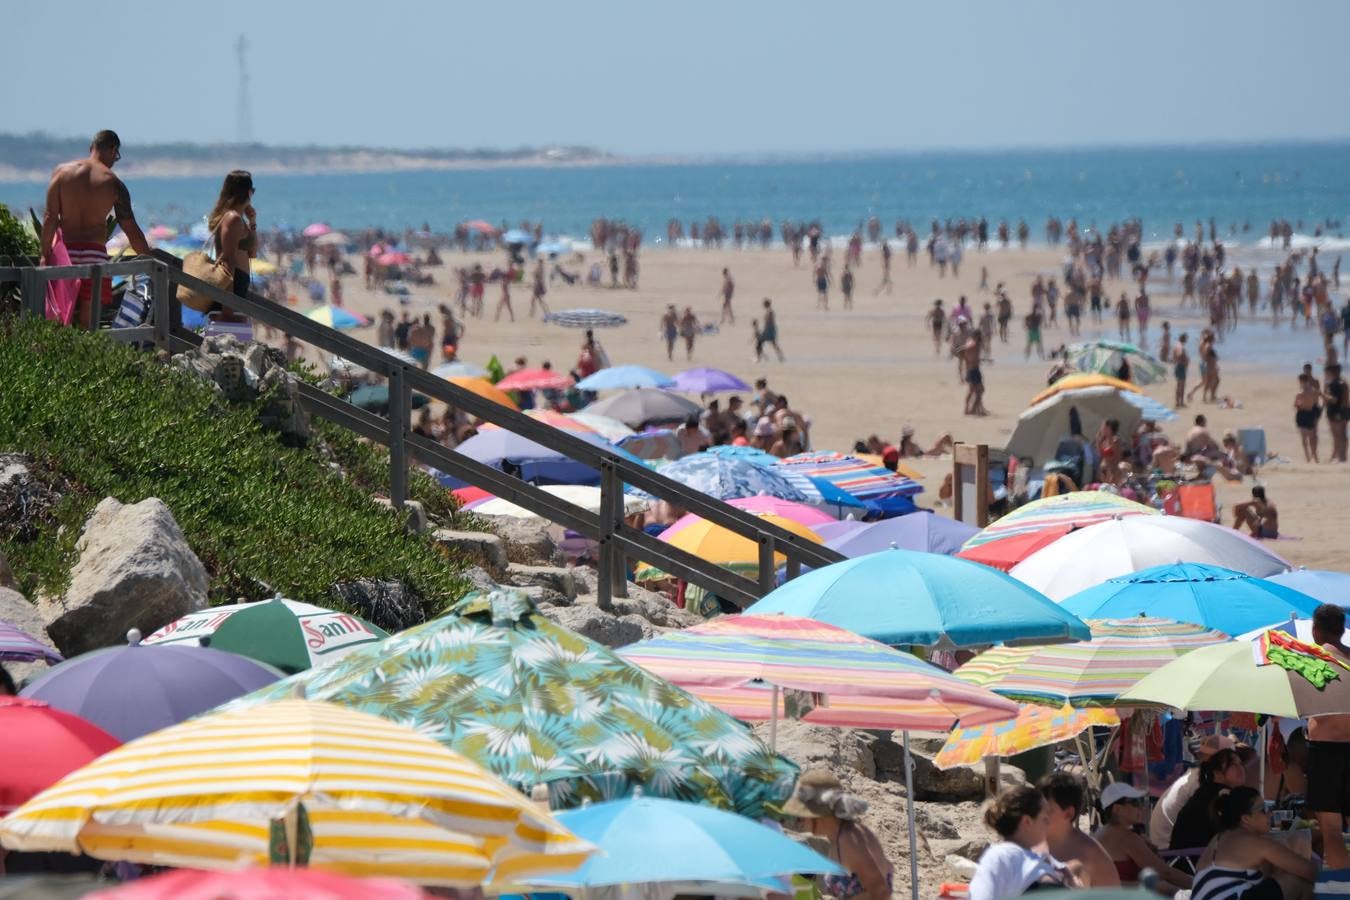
x=853 y=476
x=1035 y=726
x=17 y=645
x=1076 y=508
x=758 y=668
x=1087 y=673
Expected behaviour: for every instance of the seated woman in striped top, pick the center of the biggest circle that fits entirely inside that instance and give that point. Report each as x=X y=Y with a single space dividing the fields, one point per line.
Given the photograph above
x=1243 y=862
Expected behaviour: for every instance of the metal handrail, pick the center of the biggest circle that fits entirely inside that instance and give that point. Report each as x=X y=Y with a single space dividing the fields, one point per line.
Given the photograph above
x=617 y=539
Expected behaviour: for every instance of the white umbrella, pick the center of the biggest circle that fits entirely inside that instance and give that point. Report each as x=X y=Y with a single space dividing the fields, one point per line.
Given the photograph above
x=1043 y=425
x=580 y=495
x=609 y=428
x=333 y=239
x=1087 y=557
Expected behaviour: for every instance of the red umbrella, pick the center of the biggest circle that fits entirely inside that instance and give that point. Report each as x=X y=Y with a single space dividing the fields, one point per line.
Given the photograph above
x=394 y=259
x=480 y=225
x=535 y=380
x=1007 y=552
x=275 y=883
x=42 y=745
x=467 y=495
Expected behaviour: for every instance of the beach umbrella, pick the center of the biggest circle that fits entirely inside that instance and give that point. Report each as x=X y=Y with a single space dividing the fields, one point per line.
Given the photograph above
x=42 y=745
x=704 y=380
x=586 y=318
x=758 y=667
x=1295 y=627
x=548 y=417
x=17 y=645
x=1328 y=587
x=585 y=496
x=702 y=851
x=1043 y=425
x=1212 y=596
x=315 y=230
x=261 y=267
x=337 y=317
x=262 y=883
x=1075 y=508
x=134 y=690
x=787 y=509
x=535 y=380
x=1089 y=556
x=1007 y=552
x=485 y=389
x=528 y=461
x=618 y=377
x=459 y=369
x=286 y=634
x=1087 y=673
x=927 y=532
x=608 y=428
x=402 y=356
x=516 y=236
x=853 y=476
x=393 y=259
x=840 y=528
x=302 y=782
x=375 y=398
x=1275 y=675
x=1105 y=357
x=1035 y=726
x=644 y=406
x=1075 y=380
x=654 y=444
x=333 y=239
x=161 y=233
x=535 y=703
x=816 y=491
x=722 y=546
x=725 y=477
x=480 y=226
x=553 y=248
x=903 y=597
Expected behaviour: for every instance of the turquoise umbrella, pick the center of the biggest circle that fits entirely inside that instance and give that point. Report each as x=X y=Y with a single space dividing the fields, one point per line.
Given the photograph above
x=903 y=597
x=617 y=377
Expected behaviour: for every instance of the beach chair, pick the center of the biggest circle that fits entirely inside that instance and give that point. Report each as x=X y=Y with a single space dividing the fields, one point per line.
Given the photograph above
x=1253 y=444
x=1197 y=501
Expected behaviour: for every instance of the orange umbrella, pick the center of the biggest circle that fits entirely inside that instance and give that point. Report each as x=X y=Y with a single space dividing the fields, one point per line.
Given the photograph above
x=485 y=389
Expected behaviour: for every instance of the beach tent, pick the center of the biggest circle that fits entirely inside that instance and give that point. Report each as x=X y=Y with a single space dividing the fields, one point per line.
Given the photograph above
x=1044 y=424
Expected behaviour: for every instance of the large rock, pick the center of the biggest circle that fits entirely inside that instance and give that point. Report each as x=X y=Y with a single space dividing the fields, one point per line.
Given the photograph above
x=135 y=570
x=245 y=373
x=840 y=750
x=553 y=579
x=392 y=605
x=414 y=513
x=527 y=540
x=601 y=627
x=650 y=605
x=487 y=550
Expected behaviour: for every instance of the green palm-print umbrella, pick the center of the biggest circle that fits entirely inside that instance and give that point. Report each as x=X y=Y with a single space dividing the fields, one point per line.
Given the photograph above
x=538 y=704
x=1104 y=357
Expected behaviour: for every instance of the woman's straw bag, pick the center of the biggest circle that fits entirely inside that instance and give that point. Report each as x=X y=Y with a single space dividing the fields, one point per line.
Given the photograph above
x=200 y=265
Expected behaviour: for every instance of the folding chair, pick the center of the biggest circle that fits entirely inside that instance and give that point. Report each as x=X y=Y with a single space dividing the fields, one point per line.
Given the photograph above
x=1198 y=502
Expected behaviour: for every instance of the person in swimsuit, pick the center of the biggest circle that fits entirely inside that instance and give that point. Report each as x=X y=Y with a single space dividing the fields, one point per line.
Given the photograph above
x=1337 y=396
x=1123 y=811
x=1307 y=412
x=670 y=329
x=1066 y=795
x=1016 y=864
x=768 y=335
x=1243 y=863
x=689 y=329
x=234 y=227
x=1258 y=515
x=822 y=807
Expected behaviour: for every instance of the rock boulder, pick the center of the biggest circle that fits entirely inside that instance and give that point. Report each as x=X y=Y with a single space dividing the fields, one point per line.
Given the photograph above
x=527 y=540
x=135 y=570
x=487 y=550
x=245 y=373
x=392 y=605
x=601 y=627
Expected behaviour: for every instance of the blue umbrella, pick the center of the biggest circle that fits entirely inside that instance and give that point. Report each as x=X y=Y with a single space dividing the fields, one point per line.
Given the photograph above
x=586 y=318
x=1223 y=599
x=903 y=597
x=552 y=248
x=528 y=461
x=516 y=236
x=726 y=477
x=616 y=377
x=1326 y=586
x=704 y=380
x=698 y=850
x=818 y=491
x=133 y=690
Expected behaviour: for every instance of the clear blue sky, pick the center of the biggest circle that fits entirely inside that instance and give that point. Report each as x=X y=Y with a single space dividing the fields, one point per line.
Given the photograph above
x=687 y=77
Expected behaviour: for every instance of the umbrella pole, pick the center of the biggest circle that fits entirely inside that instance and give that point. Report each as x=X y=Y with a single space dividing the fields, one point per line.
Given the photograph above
x=773 y=722
x=913 y=835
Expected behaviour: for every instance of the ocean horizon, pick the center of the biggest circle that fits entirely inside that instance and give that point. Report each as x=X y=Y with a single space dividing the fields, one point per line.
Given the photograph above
x=1243 y=187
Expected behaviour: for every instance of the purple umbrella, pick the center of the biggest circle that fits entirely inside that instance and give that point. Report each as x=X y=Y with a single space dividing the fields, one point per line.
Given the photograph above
x=923 y=531
x=134 y=690
x=833 y=531
x=704 y=380
x=17 y=645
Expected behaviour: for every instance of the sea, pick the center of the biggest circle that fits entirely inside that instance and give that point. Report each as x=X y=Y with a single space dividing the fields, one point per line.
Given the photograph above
x=1243 y=188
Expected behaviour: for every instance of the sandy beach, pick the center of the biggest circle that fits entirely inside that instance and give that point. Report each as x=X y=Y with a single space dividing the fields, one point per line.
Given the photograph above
x=872 y=369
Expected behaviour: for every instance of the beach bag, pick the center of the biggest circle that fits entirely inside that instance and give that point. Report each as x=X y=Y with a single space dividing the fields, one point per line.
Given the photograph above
x=200 y=265
x=135 y=303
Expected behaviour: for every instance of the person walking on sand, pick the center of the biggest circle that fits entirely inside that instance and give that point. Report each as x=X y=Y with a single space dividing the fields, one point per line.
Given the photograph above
x=1337 y=396
x=689 y=329
x=1033 y=325
x=79 y=197
x=540 y=289
x=728 y=291
x=823 y=283
x=1307 y=412
x=505 y=301
x=1005 y=313
x=846 y=286
x=1181 y=363
x=670 y=329
x=768 y=333
x=970 y=355
x=1123 y=316
x=937 y=322
x=885 y=269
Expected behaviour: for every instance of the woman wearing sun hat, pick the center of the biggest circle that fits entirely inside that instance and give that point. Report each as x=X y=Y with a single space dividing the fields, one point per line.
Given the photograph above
x=825 y=809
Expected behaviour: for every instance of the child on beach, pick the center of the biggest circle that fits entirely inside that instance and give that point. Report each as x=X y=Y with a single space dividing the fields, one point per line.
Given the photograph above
x=1033 y=326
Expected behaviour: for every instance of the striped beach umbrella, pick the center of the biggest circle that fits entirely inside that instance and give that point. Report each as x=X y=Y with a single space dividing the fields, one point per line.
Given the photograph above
x=585 y=318
x=1035 y=726
x=854 y=476
x=1105 y=357
x=1075 y=509
x=17 y=645
x=585 y=496
x=760 y=668
x=361 y=794
x=1087 y=673
x=337 y=317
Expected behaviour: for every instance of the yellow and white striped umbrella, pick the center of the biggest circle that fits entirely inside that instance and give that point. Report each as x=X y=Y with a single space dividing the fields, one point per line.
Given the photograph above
x=381 y=800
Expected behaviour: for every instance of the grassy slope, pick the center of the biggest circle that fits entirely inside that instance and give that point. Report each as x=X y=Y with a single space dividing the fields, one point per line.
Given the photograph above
x=109 y=421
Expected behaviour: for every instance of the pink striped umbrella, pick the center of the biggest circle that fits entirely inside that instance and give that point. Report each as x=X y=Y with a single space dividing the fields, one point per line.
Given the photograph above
x=17 y=645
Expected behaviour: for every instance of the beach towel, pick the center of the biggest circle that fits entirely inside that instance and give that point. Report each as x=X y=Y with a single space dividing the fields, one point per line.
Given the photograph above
x=61 y=294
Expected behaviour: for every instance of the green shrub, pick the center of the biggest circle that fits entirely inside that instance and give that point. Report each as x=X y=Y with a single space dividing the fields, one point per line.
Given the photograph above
x=110 y=421
x=16 y=237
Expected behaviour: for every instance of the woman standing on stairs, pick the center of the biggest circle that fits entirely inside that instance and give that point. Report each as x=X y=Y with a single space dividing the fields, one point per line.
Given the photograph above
x=234 y=228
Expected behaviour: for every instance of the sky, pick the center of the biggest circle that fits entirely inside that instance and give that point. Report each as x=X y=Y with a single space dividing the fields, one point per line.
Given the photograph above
x=694 y=77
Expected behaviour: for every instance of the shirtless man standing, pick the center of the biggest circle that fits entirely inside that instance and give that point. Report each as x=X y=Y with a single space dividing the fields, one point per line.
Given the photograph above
x=1329 y=747
x=728 y=291
x=970 y=356
x=79 y=197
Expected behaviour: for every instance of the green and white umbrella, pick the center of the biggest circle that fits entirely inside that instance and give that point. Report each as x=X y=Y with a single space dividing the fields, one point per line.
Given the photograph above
x=1104 y=357
x=287 y=634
